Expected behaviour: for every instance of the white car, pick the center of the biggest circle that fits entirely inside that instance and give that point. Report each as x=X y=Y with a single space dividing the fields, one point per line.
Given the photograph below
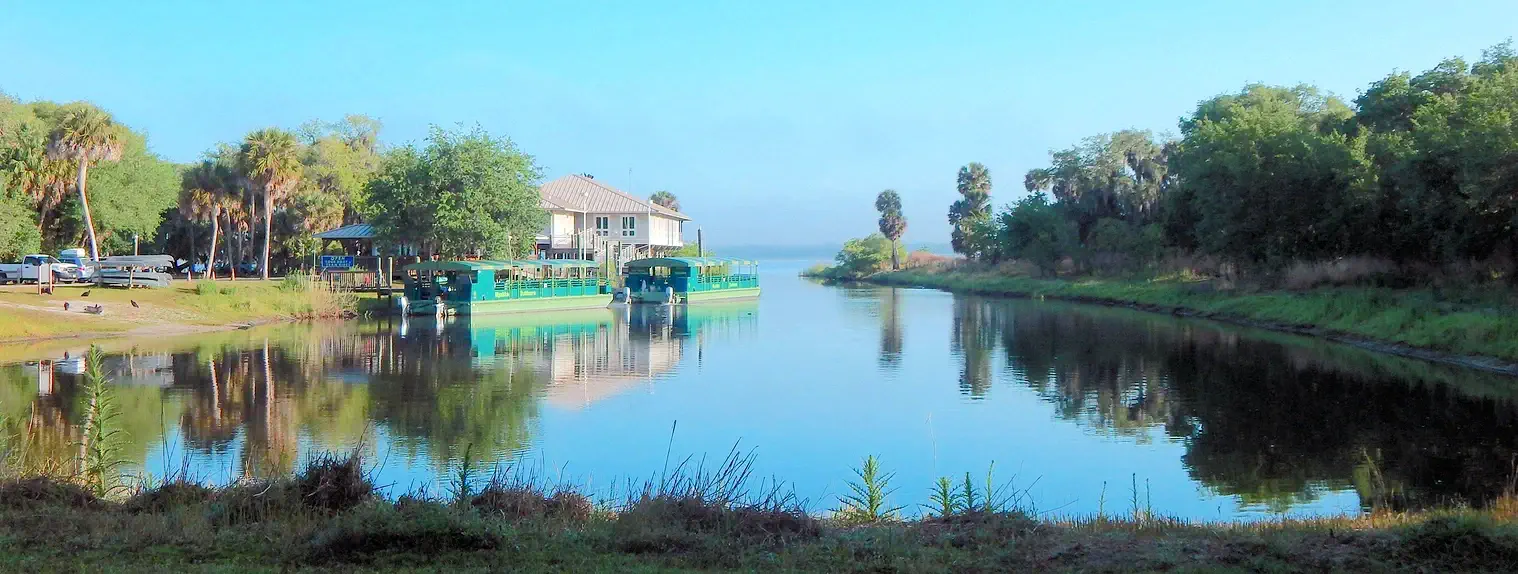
x=29 y=266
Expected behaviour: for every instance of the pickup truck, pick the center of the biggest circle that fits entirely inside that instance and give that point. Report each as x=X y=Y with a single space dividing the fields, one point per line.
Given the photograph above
x=27 y=270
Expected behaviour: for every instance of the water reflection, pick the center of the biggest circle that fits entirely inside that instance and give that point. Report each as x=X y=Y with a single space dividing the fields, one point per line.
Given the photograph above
x=1273 y=420
x=422 y=392
x=1226 y=422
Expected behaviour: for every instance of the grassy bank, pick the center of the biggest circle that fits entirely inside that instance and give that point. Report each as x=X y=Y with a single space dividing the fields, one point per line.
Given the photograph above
x=330 y=516
x=1475 y=321
x=183 y=307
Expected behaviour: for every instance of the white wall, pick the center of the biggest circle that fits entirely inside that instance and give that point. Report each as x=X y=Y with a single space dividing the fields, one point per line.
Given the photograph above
x=663 y=230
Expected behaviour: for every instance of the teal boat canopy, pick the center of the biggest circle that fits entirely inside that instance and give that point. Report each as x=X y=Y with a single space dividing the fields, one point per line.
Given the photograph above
x=686 y=262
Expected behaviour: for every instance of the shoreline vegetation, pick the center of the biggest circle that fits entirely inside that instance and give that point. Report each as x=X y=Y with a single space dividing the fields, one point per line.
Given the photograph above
x=1384 y=222
x=187 y=307
x=331 y=515
x=1471 y=327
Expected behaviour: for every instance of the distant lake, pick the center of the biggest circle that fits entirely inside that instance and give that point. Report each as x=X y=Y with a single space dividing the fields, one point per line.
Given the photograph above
x=1085 y=407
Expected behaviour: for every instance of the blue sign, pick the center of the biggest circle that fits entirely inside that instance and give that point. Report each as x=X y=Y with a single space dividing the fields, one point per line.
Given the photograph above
x=337 y=262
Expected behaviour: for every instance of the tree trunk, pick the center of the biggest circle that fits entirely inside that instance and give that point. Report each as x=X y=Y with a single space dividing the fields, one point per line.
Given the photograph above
x=84 y=202
x=268 y=228
x=211 y=257
x=895 y=259
x=192 y=248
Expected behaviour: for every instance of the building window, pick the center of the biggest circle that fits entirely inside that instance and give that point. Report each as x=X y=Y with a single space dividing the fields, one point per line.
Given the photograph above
x=603 y=226
x=629 y=227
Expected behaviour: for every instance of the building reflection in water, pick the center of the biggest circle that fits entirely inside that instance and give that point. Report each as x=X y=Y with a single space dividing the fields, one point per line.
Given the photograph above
x=252 y=402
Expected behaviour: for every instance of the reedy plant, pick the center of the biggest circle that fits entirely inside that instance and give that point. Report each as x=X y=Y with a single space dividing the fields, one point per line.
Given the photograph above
x=99 y=446
x=946 y=498
x=866 y=501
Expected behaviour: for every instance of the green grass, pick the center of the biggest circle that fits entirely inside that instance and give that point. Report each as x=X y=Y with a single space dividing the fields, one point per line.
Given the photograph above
x=1474 y=321
x=203 y=303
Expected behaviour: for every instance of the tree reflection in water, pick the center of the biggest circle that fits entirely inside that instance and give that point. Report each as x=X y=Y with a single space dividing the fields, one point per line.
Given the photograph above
x=423 y=391
x=1272 y=419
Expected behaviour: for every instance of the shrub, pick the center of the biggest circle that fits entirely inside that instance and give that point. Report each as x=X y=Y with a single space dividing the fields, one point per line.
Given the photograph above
x=44 y=491
x=333 y=483
x=860 y=257
x=255 y=501
x=168 y=495
x=381 y=532
x=1342 y=271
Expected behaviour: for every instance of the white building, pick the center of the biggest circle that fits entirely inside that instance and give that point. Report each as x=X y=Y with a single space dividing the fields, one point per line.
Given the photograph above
x=589 y=219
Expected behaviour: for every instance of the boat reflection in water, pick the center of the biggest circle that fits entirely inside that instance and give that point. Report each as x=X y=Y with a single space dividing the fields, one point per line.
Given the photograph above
x=417 y=393
x=583 y=356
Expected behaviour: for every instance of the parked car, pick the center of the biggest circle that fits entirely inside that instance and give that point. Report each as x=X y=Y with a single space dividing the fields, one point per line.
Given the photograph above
x=81 y=259
x=27 y=270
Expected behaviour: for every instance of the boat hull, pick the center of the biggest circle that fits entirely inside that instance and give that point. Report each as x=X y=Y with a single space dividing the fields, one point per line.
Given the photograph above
x=511 y=305
x=657 y=298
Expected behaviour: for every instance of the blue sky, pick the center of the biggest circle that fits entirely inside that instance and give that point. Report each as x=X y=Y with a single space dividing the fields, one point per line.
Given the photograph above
x=775 y=122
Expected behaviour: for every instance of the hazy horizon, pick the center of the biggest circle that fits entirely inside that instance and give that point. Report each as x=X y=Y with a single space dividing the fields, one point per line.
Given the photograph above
x=775 y=124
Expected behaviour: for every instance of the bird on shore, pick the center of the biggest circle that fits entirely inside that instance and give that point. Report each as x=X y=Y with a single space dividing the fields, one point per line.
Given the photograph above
x=65 y=305
x=134 y=304
x=86 y=293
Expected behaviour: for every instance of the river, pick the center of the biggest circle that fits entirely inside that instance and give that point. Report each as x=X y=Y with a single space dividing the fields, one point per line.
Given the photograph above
x=1081 y=409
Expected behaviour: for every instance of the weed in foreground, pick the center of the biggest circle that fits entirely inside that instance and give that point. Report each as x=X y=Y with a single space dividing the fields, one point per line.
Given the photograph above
x=866 y=501
x=334 y=483
x=100 y=457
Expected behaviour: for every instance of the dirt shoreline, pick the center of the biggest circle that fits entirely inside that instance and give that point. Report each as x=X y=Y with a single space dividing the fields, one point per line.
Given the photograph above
x=1478 y=362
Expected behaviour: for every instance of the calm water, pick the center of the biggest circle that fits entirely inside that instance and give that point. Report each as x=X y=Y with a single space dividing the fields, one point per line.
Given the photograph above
x=1210 y=421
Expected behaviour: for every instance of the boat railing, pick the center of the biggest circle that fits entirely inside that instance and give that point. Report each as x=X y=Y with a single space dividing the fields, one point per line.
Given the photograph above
x=553 y=286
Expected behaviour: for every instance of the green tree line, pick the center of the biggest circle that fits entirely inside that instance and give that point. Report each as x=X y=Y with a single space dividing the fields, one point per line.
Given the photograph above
x=71 y=176
x=1419 y=169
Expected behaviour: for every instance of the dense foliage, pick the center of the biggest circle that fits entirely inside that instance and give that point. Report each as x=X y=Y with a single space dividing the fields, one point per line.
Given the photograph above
x=866 y=255
x=42 y=145
x=254 y=207
x=1419 y=170
x=465 y=193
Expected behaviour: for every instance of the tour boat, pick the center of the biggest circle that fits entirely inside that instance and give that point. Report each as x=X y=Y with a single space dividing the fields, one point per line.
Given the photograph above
x=487 y=286
x=673 y=280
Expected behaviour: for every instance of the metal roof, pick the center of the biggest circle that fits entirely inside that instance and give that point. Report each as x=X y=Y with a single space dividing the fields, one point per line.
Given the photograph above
x=683 y=262
x=497 y=265
x=355 y=231
x=586 y=195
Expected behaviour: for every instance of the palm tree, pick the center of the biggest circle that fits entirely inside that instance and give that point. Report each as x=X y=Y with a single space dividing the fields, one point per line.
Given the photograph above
x=270 y=160
x=892 y=223
x=665 y=199
x=200 y=198
x=239 y=222
x=974 y=185
x=85 y=135
x=35 y=176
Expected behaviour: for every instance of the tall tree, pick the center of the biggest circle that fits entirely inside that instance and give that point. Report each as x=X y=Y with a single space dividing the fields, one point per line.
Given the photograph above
x=973 y=207
x=1273 y=178
x=202 y=198
x=270 y=160
x=1120 y=175
x=666 y=199
x=85 y=135
x=32 y=174
x=892 y=223
x=465 y=193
